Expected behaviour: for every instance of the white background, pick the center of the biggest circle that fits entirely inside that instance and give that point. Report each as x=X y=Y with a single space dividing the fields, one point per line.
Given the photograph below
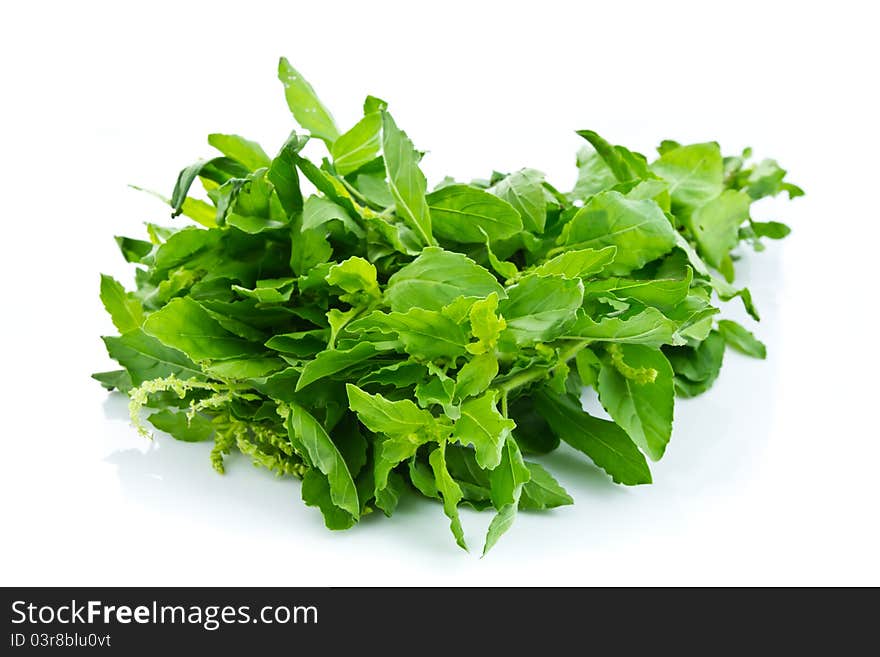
x=771 y=477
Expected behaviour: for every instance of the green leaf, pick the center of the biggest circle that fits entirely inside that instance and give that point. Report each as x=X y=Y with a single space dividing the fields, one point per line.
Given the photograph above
x=331 y=361
x=392 y=418
x=638 y=228
x=249 y=153
x=612 y=157
x=642 y=408
x=486 y=324
x=425 y=334
x=182 y=427
x=506 y=484
x=695 y=173
x=283 y=176
x=145 y=358
x=649 y=327
x=449 y=490
x=741 y=339
x=715 y=225
x=436 y=278
x=482 y=426
x=304 y=104
x=244 y=368
x=524 y=191
x=219 y=170
x=476 y=375
x=319 y=211
x=542 y=491
x=588 y=366
x=696 y=368
x=581 y=263
x=662 y=293
x=358 y=146
x=400 y=375
x=388 y=498
x=604 y=442
x=507 y=479
x=325 y=456
x=269 y=290
x=133 y=250
x=503 y=268
x=437 y=389
x=357 y=277
x=538 y=308
x=390 y=451
x=405 y=179
x=114 y=380
x=316 y=492
x=124 y=308
x=463 y=214
x=594 y=175
x=774 y=230
x=184 y=325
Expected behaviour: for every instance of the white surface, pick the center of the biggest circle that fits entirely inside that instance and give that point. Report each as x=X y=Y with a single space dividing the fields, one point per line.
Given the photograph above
x=770 y=478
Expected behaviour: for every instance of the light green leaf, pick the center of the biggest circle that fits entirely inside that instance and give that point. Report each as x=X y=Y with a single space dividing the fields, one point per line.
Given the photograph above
x=482 y=426
x=182 y=427
x=436 y=278
x=507 y=479
x=638 y=228
x=405 y=179
x=355 y=275
x=283 y=176
x=244 y=368
x=392 y=418
x=506 y=485
x=425 y=334
x=524 y=191
x=249 y=153
x=359 y=145
x=649 y=327
x=538 y=308
x=184 y=325
x=449 y=490
x=270 y=290
x=662 y=293
x=331 y=361
x=774 y=230
x=642 y=408
x=145 y=358
x=476 y=375
x=612 y=157
x=461 y=213
x=486 y=324
x=124 y=308
x=304 y=104
x=390 y=451
x=581 y=263
x=715 y=225
x=318 y=211
x=695 y=173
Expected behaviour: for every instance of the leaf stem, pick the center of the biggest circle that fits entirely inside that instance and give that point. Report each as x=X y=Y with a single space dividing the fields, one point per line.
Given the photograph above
x=532 y=374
